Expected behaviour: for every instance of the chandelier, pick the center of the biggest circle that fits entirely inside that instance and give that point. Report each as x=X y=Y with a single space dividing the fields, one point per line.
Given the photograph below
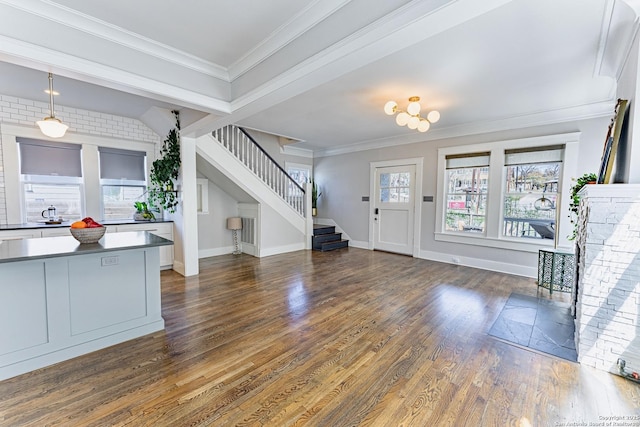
x=411 y=118
x=51 y=126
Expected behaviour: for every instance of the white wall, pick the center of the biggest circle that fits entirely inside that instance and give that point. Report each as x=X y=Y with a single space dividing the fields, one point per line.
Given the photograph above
x=345 y=179
x=213 y=236
x=277 y=235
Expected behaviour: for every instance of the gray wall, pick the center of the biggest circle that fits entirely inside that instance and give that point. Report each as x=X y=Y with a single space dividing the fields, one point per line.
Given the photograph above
x=344 y=179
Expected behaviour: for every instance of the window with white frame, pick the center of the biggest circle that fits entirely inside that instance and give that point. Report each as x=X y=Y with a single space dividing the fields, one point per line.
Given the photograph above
x=530 y=192
x=50 y=175
x=466 y=177
x=123 y=181
x=299 y=173
x=506 y=194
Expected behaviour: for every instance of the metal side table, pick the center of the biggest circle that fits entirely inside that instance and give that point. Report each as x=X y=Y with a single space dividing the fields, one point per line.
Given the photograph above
x=556 y=269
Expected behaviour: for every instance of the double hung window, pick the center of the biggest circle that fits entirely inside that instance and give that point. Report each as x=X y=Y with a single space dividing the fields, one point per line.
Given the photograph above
x=123 y=181
x=467 y=177
x=50 y=175
x=530 y=192
x=506 y=194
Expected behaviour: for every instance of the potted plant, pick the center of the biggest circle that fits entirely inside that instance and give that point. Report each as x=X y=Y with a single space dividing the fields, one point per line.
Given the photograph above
x=142 y=212
x=315 y=195
x=166 y=170
x=574 y=203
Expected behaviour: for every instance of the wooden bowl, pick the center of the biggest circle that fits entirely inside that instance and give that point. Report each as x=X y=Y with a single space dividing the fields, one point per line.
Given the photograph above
x=88 y=235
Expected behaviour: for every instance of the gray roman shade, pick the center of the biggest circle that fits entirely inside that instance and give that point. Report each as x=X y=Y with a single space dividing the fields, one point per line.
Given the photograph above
x=548 y=154
x=39 y=157
x=473 y=160
x=122 y=164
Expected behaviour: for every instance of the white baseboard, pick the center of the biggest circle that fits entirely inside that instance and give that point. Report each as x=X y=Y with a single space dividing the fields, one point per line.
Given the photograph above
x=206 y=253
x=500 y=267
x=282 y=249
x=358 y=244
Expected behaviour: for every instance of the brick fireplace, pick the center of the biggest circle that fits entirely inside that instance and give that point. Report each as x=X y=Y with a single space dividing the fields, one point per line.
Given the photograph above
x=607 y=294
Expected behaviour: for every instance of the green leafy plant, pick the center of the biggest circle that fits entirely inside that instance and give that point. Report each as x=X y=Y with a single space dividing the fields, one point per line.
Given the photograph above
x=315 y=194
x=166 y=170
x=142 y=209
x=574 y=203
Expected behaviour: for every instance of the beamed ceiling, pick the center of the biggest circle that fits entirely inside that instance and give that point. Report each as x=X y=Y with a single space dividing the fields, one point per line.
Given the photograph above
x=319 y=72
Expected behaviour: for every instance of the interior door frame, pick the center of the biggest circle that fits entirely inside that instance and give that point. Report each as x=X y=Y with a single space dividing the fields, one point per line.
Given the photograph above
x=417 y=207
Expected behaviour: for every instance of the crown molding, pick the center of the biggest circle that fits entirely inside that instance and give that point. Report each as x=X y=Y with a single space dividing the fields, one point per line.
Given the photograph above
x=34 y=56
x=65 y=16
x=572 y=114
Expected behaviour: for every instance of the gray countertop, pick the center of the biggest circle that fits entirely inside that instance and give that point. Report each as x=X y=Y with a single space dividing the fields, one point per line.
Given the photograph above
x=50 y=247
x=42 y=225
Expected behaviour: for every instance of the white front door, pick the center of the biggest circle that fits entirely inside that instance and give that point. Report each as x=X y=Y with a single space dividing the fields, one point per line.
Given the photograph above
x=393 y=208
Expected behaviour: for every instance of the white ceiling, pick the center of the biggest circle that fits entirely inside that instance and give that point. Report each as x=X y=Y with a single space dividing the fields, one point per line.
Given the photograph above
x=320 y=71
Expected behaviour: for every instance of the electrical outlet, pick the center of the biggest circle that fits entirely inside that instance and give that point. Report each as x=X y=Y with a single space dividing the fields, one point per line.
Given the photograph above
x=110 y=260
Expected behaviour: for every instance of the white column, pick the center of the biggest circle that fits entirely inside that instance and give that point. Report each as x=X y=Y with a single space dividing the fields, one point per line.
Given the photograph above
x=186 y=216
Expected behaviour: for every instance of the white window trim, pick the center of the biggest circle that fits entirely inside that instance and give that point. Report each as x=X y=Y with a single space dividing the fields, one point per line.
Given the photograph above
x=492 y=236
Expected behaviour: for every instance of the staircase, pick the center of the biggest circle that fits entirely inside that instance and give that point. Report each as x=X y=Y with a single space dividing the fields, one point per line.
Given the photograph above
x=325 y=238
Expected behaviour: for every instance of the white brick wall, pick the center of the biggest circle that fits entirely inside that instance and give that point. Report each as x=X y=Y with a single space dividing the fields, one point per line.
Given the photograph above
x=608 y=305
x=26 y=112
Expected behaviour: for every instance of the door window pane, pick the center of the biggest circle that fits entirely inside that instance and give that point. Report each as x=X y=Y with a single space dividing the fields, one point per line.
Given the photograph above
x=394 y=187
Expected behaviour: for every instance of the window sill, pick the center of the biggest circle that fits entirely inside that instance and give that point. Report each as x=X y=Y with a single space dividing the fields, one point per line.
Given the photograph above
x=492 y=242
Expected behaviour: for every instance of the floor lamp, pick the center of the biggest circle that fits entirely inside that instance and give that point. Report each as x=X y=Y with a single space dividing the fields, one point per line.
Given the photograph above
x=234 y=224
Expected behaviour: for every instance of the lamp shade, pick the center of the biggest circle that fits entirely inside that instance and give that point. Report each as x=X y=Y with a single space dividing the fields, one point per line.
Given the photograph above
x=234 y=223
x=52 y=127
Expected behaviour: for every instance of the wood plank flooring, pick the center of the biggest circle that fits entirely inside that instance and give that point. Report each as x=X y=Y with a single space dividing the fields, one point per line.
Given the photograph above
x=346 y=338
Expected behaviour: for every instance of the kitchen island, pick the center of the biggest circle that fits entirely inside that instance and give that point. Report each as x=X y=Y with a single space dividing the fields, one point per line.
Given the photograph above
x=60 y=299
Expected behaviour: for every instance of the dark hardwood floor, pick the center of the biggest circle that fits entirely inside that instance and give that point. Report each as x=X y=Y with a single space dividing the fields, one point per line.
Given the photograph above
x=344 y=338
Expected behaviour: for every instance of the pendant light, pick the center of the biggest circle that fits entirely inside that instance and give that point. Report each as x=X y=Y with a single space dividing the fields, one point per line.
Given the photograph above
x=51 y=126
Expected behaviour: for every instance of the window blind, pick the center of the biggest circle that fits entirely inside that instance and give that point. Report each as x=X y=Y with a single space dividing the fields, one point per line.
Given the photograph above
x=39 y=157
x=549 y=154
x=474 y=160
x=122 y=164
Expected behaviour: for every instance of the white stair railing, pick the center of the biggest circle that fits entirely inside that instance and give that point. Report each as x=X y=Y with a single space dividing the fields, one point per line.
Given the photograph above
x=249 y=152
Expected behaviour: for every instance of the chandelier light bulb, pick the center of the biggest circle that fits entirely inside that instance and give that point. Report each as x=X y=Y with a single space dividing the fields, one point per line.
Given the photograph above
x=402 y=119
x=423 y=126
x=390 y=108
x=433 y=116
x=414 y=106
x=414 y=121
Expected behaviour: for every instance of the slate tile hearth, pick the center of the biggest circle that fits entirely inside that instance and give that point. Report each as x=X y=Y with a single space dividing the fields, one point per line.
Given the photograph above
x=539 y=324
